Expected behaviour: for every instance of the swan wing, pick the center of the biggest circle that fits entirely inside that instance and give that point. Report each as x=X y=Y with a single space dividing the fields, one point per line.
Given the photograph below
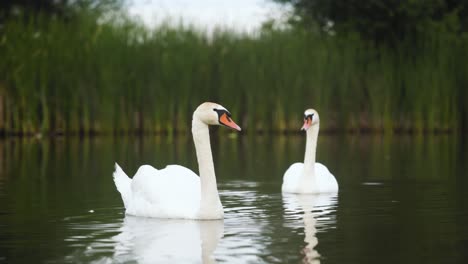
x=123 y=184
x=291 y=177
x=325 y=179
x=172 y=192
x=325 y=182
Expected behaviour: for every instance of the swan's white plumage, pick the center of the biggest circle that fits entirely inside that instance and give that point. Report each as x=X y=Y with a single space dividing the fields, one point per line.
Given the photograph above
x=309 y=177
x=175 y=191
x=324 y=181
x=123 y=184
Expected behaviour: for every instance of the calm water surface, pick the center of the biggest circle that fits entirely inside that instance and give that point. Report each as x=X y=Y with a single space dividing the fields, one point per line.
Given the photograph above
x=402 y=199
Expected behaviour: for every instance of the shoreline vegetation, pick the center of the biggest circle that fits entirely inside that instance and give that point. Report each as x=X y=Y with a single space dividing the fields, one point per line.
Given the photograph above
x=116 y=77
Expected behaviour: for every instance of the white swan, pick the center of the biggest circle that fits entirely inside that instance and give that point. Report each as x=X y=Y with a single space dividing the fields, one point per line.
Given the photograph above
x=175 y=191
x=310 y=176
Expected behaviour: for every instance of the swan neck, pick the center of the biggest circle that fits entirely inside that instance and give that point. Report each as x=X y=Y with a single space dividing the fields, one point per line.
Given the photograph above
x=209 y=190
x=311 y=149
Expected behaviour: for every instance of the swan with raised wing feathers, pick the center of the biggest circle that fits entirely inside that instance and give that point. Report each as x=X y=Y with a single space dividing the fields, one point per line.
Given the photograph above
x=176 y=191
x=310 y=176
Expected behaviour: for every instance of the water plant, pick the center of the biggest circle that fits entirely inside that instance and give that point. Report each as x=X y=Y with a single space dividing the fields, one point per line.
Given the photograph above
x=114 y=77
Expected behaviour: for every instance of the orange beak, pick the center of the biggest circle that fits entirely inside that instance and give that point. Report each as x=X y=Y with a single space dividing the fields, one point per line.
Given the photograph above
x=307 y=123
x=227 y=121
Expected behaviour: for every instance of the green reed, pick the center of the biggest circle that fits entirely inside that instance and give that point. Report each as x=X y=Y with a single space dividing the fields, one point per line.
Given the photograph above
x=83 y=77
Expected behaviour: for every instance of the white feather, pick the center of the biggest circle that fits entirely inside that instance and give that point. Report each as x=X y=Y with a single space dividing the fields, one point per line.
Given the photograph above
x=309 y=177
x=175 y=191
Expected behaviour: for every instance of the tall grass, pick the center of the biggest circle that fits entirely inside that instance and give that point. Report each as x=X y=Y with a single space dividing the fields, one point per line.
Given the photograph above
x=120 y=77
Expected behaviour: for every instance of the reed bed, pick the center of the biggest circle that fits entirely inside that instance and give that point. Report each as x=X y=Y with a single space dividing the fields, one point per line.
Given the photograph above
x=119 y=77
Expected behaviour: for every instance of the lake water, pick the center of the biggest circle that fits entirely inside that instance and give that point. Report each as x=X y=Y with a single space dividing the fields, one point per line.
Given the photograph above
x=402 y=199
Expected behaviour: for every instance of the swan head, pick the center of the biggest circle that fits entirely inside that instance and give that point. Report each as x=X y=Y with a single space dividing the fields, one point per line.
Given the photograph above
x=311 y=118
x=215 y=114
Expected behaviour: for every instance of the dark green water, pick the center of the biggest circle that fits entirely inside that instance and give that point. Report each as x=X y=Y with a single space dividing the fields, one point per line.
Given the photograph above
x=402 y=200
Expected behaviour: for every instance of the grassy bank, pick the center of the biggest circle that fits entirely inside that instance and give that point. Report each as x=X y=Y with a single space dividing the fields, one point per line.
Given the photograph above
x=84 y=77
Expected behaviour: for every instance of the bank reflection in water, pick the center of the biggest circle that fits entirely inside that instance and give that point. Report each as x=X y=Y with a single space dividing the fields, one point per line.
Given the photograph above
x=149 y=240
x=311 y=212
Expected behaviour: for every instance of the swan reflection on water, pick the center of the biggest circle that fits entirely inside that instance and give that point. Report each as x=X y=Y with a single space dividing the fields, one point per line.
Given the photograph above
x=312 y=212
x=150 y=240
x=246 y=235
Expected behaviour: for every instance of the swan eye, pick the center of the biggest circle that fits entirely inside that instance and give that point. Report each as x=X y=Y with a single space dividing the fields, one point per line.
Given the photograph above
x=309 y=117
x=222 y=112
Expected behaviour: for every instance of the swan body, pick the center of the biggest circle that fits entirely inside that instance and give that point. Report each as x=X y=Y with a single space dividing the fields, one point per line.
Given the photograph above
x=176 y=191
x=324 y=181
x=309 y=177
x=172 y=192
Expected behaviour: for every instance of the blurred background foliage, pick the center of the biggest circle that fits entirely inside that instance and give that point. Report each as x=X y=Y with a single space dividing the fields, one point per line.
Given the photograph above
x=384 y=22
x=85 y=67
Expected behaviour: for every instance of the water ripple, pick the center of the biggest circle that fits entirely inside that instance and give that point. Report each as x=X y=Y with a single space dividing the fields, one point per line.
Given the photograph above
x=247 y=234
